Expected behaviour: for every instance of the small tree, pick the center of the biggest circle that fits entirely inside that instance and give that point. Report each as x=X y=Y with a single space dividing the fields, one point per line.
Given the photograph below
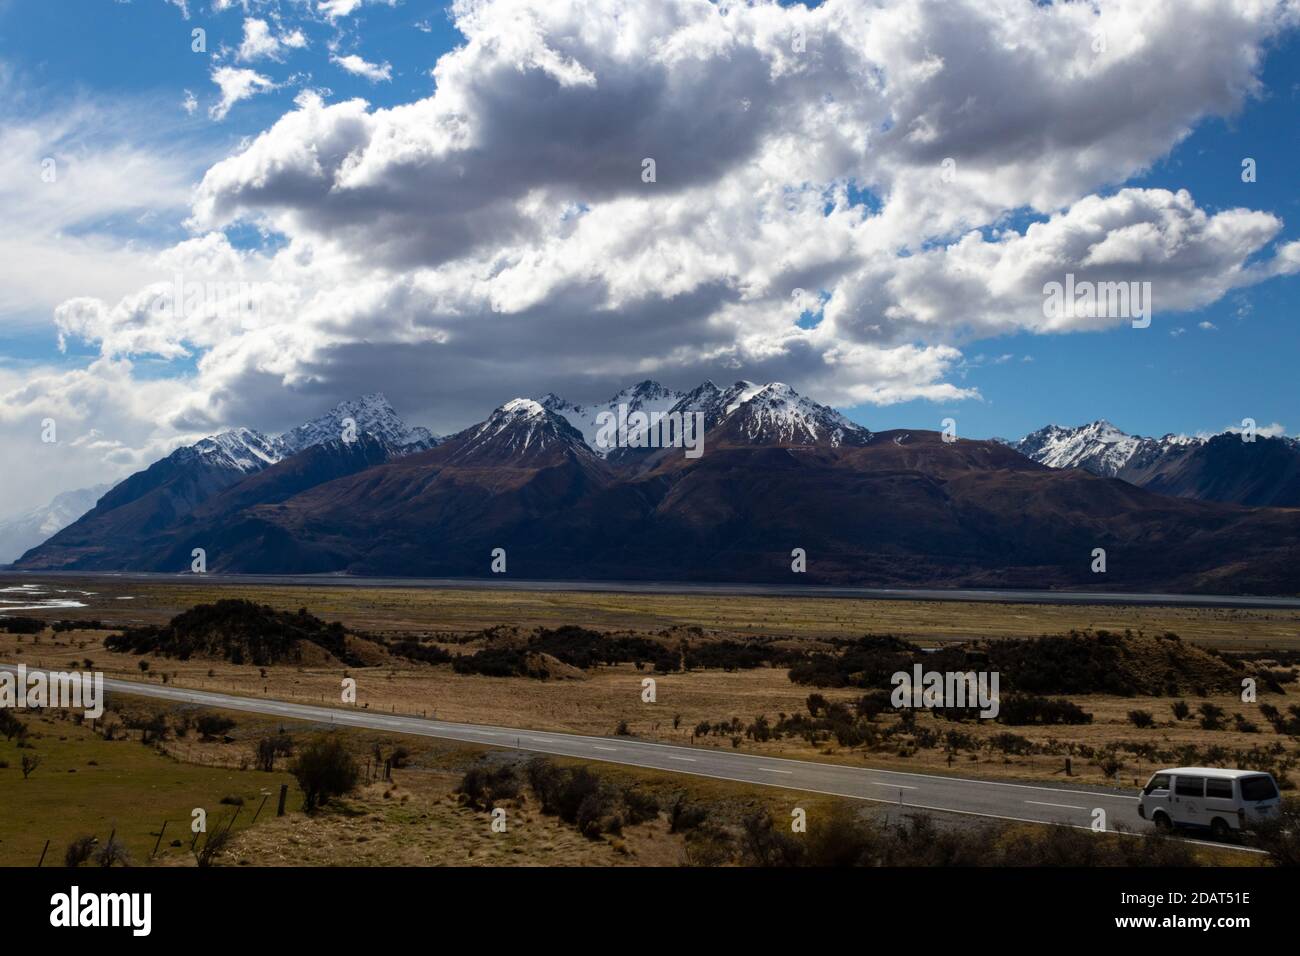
x=30 y=763
x=325 y=769
x=264 y=754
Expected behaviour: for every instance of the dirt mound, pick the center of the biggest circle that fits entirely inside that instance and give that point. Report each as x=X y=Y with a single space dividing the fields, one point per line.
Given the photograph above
x=545 y=667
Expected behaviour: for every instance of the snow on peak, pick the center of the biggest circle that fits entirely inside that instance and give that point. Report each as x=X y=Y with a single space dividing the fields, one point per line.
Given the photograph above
x=372 y=414
x=775 y=412
x=517 y=428
x=1098 y=447
x=647 y=396
x=520 y=408
x=242 y=449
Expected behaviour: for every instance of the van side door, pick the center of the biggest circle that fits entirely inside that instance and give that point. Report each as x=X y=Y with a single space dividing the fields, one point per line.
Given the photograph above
x=1220 y=801
x=1189 y=797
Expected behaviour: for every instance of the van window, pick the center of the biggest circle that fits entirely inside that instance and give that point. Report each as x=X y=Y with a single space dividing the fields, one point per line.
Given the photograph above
x=1159 y=782
x=1190 y=786
x=1258 y=788
x=1218 y=787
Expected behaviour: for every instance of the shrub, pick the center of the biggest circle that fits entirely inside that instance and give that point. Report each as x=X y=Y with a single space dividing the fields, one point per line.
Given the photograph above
x=324 y=769
x=212 y=726
x=79 y=851
x=1141 y=718
x=1211 y=716
x=482 y=787
x=1279 y=835
x=1021 y=709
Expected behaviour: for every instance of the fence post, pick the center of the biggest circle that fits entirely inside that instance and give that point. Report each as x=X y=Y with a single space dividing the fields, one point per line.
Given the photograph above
x=43 y=852
x=158 y=842
x=284 y=792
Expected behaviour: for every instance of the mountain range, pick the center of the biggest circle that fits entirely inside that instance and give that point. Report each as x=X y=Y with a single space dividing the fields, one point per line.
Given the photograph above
x=1224 y=467
x=779 y=472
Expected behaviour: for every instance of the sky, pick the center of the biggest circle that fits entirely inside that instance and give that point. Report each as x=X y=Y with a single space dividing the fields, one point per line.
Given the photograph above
x=453 y=204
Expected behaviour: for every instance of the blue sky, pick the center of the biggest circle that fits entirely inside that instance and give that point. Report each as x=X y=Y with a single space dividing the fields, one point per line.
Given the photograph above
x=116 y=75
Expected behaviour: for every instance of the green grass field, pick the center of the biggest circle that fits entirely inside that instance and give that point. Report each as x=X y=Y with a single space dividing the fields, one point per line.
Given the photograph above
x=86 y=785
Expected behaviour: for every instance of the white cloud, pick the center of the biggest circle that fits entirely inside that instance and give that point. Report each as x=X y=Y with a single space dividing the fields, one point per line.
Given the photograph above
x=235 y=85
x=261 y=43
x=374 y=72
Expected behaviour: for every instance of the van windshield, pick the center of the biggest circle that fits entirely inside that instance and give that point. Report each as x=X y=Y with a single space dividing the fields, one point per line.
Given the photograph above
x=1258 y=788
x=1159 y=782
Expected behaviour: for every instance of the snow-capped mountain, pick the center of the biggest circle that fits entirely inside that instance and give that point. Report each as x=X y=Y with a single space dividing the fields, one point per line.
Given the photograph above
x=28 y=530
x=244 y=450
x=174 y=487
x=1265 y=472
x=520 y=432
x=647 y=397
x=760 y=414
x=1098 y=447
x=371 y=414
x=776 y=414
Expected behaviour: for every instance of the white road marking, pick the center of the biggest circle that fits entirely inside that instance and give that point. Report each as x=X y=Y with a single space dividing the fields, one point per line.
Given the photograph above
x=687 y=759
x=774 y=770
x=1063 y=806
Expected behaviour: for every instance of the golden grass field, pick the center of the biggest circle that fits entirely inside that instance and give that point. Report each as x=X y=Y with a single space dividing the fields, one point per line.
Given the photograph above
x=597 y=704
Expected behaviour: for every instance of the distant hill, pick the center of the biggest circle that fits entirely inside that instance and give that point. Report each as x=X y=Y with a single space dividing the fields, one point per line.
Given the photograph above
x=244 y=632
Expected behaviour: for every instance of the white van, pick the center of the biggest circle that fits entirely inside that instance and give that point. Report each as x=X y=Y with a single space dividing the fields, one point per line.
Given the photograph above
x=1209 y=799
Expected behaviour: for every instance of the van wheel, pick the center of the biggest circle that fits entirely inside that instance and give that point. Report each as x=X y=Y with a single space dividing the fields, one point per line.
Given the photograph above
x=1162 y=822
x=1219 y=829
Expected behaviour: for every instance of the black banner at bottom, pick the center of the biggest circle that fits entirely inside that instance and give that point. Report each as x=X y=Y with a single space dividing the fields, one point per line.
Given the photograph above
x=330 y=906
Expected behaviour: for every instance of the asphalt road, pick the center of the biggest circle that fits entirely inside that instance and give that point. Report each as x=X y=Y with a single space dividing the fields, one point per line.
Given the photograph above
x=680 y=587
x=976 y=798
